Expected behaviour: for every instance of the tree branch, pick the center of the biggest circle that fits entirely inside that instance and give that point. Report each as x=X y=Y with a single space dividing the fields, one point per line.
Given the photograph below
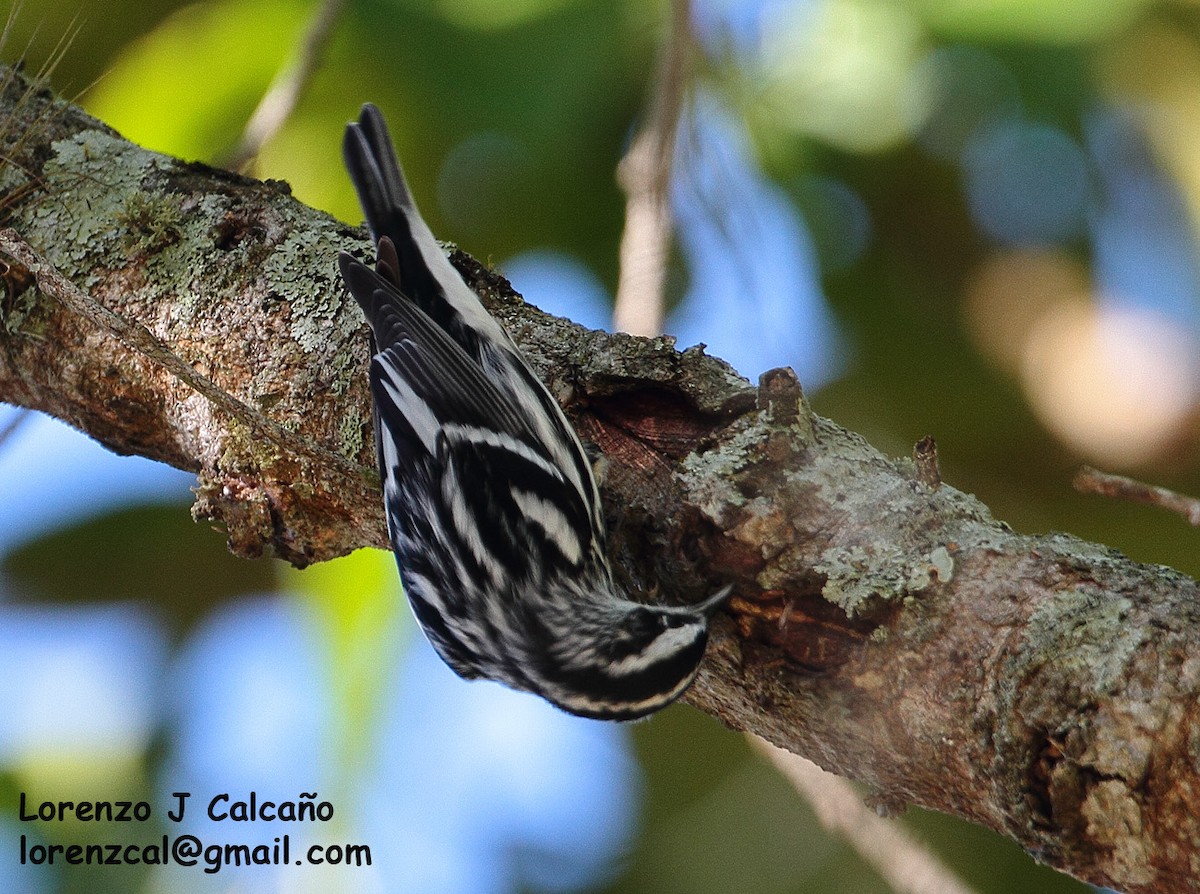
x=280 y=100
x=885 y=625
x=645 y=176
x=906 y=866
x=1093 y=481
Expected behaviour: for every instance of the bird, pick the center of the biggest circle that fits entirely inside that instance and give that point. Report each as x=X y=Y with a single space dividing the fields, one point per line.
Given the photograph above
x=492 y=505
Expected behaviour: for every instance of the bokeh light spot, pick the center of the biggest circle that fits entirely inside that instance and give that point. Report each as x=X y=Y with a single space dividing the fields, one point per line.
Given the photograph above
x=1027 y=183
x=78 y=685
x=1117 y=385
x=841 y=71
x=1008 y=294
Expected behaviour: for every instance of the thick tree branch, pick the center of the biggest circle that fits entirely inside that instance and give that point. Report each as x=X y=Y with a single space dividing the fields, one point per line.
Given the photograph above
x=885 y=625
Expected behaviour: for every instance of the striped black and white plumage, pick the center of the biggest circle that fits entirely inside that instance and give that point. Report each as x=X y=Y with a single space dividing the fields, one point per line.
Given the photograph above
x=492 y=508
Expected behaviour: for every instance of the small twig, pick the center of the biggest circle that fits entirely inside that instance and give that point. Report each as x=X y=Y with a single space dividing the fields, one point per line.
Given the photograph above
x=142 y=341
x=645 y=176
x=1118 y=487
x=906 y=866
x=925 y=457
x=19 y=418
x=281 y=97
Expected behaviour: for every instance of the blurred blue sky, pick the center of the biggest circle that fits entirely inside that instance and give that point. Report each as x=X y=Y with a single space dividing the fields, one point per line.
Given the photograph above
x=1144 y=250
x=754 y=295
x=51 y=475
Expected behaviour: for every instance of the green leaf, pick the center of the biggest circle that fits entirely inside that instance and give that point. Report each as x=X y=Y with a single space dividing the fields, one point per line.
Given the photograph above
x=356 y=601
x=152 y=553
x=189 y=86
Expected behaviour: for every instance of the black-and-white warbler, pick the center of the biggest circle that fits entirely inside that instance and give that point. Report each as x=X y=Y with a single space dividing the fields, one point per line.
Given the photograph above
x=492 y=508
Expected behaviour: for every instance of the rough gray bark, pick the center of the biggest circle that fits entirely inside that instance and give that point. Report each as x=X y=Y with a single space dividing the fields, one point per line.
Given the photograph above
x=884 y=625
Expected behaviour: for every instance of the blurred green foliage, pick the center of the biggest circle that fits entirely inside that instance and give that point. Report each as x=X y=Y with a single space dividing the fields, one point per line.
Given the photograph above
x=154 y=554
x=356 y=601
